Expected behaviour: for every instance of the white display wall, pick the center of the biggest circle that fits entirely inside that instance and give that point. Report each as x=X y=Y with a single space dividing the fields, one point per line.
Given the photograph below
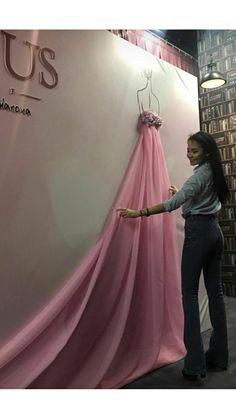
x=61 y=166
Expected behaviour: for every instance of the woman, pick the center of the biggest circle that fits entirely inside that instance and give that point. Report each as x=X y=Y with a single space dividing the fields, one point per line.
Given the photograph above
x=200 y=197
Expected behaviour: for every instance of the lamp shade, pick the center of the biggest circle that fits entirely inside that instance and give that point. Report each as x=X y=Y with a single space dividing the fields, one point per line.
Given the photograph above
x=212 y=79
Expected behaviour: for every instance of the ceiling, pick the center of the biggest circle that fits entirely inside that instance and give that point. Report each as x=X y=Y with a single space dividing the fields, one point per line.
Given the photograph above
x=184 y=39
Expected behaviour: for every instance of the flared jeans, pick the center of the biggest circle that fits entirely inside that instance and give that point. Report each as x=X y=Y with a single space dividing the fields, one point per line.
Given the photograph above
x=202 y=251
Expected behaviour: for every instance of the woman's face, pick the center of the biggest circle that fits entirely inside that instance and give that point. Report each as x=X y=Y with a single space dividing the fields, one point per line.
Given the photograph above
x=195 y=152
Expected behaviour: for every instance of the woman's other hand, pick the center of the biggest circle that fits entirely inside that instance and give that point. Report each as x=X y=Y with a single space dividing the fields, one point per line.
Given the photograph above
x=173 y=189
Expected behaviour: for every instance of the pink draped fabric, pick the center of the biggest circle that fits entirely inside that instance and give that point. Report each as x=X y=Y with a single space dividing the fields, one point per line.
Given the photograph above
x=120 y=314
x=159 y=48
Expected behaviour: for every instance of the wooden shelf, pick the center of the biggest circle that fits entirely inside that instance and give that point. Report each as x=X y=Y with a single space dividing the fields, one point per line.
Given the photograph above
x=220 y=117
x=226 y=145
x=220 y=132
x=217 y=103
x=207 y=50
x=227 y=219
x=226 y=160
x=229 y=205
x=231 y=69
x=227 y=266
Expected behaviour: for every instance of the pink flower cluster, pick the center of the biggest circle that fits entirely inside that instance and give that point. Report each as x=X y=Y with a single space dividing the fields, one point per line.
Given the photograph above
x=149 y=119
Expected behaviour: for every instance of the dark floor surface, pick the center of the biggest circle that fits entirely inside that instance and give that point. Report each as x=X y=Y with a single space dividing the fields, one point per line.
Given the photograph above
x=170 y=377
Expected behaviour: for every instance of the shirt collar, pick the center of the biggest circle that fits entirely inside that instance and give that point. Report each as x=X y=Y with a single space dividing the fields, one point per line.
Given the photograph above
x=205 y=163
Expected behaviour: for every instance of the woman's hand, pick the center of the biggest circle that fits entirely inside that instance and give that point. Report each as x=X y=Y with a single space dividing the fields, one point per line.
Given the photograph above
x=173 y=189
x=128 y=213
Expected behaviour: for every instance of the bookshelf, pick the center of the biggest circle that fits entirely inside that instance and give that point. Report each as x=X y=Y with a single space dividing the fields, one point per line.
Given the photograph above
x=218 y=117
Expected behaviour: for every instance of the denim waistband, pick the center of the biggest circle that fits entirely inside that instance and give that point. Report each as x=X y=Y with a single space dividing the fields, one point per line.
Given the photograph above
x=200 y=216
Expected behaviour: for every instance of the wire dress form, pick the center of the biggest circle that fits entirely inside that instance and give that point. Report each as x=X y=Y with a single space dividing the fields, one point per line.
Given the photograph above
x=119 y=315
x=151 y=94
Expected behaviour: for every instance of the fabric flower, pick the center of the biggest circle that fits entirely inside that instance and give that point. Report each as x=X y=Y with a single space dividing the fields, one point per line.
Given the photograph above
x=150 y=118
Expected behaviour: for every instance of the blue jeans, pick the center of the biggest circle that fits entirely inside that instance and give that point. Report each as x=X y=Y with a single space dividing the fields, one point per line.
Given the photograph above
x=202 y=250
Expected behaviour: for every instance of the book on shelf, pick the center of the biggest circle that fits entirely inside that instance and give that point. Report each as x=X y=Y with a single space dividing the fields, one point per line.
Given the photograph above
x=228 y=93
x=233 y=199
x=211 y=98
x=229 y=259
x=230 y=34
x=217 y=111
x=216 y=126
x=228 y=153
x=227 y=64
x=223 y=61
x=229 y=286
x=216 y=96
x=202 y=71
x=227 y=49
x=229 y=167
x=227 y=269
x=232 y=182
x=228 y=227
x=228 y=213
x=226 y=138
x=230 y=243
x=231 y=138
x=231 y=77
x=221 y=140
x=232 y=121
x=210 y=39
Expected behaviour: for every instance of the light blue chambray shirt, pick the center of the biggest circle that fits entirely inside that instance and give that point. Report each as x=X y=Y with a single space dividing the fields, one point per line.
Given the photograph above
x=197 y=195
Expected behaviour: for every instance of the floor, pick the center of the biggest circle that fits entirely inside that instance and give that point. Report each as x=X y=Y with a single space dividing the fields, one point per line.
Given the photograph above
x=170 y=377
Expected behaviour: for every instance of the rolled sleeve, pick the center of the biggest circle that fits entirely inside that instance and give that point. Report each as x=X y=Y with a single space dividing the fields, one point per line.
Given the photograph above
x=175 y=202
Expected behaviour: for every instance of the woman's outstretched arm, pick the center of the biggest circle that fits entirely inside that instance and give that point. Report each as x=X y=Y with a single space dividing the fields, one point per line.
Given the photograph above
x=132 y=213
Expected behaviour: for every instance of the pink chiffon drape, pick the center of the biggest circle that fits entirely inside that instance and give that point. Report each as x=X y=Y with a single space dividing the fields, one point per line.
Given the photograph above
x=160 y=48
x=120 y=314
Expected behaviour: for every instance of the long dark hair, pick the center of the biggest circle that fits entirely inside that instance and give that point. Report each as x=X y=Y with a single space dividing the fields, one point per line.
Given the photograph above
x=212 y=155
